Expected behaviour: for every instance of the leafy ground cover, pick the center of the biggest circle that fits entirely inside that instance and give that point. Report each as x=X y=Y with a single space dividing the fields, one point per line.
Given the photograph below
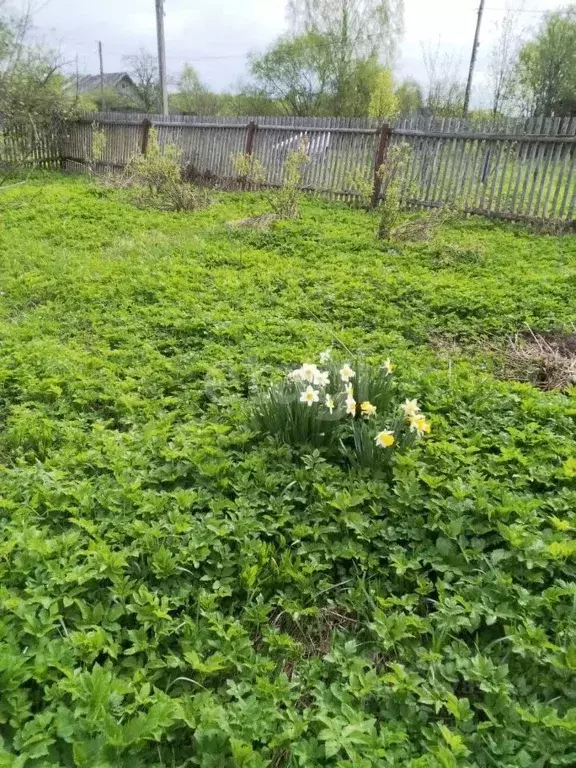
x=177 y=590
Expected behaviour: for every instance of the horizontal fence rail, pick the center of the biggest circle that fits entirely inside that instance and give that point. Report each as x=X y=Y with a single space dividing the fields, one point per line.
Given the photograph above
x=512 y=169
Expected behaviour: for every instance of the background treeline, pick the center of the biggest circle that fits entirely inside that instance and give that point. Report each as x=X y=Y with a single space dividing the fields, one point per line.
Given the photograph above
x=337 y=59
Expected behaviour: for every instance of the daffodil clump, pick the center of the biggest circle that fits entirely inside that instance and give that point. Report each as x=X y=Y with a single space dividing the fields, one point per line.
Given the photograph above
x=352 y=408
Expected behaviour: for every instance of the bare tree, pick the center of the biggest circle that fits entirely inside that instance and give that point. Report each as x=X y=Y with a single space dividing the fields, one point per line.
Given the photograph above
x=503 y=60
x=143 y=69
x=352 y=32
x=445 y=94
x=359 y=28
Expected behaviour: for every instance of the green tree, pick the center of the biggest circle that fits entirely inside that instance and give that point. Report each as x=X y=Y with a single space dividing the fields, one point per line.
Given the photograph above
x=361 y=85
x=33 y=91
x=547 y=66
x=294 y=73
x=383 y=101
x=251 y=101
x=34 y=95
x=409 y=97
x=193 y=97
x=352 y=31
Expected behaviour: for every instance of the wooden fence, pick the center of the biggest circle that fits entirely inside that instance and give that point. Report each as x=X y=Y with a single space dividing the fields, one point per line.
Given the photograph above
x=26 y=146
x=509 y=169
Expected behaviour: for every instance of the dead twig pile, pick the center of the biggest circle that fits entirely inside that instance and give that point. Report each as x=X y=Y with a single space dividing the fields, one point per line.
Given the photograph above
x=547 y=361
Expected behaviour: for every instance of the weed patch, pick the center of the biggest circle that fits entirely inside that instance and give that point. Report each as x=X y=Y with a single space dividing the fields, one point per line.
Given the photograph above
x=178 y=589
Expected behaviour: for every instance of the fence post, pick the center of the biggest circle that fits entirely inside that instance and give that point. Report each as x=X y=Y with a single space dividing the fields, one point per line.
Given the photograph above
x=251 y=130
x=248 y=149
x=380 y=156
x=146 y=125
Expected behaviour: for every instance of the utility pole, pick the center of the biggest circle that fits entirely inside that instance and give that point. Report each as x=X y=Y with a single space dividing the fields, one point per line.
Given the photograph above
x=103 y=103
x=473 y=58
x=161 y=55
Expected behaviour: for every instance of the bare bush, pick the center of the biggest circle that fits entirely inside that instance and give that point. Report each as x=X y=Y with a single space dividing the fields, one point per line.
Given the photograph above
x=547 y=361
x=174 y=196
x=255 y=222
x=423 y=226
x=455 y=256
x=394 y=224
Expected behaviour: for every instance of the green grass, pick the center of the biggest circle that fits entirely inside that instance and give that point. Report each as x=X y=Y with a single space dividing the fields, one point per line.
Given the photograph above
x=176 y=590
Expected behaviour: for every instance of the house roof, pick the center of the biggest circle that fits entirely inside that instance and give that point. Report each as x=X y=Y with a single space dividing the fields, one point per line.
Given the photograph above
x=91 y=83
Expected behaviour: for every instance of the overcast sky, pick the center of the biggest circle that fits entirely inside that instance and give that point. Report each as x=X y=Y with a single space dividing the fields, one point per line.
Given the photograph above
x=215 y=35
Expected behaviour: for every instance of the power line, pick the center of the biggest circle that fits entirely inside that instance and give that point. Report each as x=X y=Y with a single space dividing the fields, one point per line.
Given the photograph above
x=210 y=58
x=327 y=44
x=518 y=10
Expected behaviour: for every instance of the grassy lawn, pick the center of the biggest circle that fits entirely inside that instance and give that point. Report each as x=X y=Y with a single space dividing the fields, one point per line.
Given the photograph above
x=177 y=590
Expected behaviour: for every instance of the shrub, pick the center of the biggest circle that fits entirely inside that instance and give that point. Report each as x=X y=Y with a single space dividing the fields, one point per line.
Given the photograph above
x=355 y=413
x=174 y=196
x=362 y=185
x=98 y=143
x=249 y=170
x=422 y=227
x=284 y=201
x=159 y=167
x=155 y=180
x=394 y=225
x=393 y=174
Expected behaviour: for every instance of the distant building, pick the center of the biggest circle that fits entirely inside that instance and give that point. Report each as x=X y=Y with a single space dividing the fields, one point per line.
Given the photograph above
x=119 y=83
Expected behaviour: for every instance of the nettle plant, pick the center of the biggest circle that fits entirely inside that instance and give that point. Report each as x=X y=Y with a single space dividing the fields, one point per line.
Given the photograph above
x=353 y=412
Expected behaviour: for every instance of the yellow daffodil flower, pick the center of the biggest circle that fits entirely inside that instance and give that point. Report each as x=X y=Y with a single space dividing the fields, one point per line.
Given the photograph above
x=367 y=409
x=330 y=403
x=419 y=423
x=389 y=366
x=385 y=439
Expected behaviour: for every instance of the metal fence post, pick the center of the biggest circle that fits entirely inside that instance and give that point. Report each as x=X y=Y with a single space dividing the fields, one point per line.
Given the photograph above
x=381 y=151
